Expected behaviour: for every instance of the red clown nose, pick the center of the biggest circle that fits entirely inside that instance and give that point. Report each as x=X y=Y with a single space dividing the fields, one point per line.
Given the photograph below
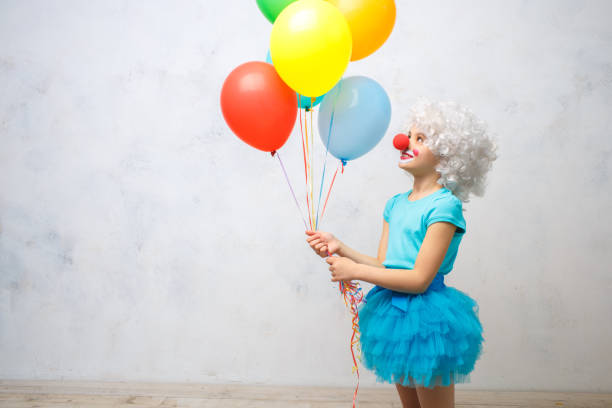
x=401 y=141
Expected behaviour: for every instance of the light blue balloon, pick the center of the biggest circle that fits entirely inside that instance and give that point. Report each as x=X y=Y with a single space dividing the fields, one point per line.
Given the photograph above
x=304 y=102
x=358 y=112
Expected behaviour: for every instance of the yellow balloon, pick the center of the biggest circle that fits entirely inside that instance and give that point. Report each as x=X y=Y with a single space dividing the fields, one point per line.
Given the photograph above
x=310 y=46
x=371 y=23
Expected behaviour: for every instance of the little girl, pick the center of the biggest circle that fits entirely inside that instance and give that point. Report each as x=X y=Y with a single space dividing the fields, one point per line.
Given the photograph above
x=417 y=332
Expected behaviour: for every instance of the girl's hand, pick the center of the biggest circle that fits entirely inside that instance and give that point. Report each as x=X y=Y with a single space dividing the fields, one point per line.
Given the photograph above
x=342 y=269
x=323 y=243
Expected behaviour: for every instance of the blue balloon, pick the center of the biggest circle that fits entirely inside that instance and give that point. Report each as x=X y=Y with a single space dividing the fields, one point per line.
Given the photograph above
x=354 y=117
x=304 y=102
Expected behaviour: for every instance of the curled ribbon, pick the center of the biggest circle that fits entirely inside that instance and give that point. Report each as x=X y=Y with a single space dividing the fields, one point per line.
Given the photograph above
x=352 y=293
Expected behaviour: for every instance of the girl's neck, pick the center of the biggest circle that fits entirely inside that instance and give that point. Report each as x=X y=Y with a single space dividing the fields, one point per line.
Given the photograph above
x=426 y=184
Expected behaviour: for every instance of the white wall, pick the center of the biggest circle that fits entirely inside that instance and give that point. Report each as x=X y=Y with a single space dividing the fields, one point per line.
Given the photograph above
x=141 y=240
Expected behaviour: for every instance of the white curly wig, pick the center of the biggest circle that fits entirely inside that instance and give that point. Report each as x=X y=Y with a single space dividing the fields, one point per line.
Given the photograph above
x=461 y=142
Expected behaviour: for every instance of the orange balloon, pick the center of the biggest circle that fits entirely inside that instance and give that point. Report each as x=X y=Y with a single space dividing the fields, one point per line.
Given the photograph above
x=371 y=23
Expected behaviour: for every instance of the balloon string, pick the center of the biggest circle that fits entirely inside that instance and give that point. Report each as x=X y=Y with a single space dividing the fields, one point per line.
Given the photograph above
x=309 y=164
x=312 y=165
x=331 y=124
x=305 y=151
x=291 y=188
x=321 y=190
x=309 y=154
x=303 y=148
x=329 y=191
x=352 y=293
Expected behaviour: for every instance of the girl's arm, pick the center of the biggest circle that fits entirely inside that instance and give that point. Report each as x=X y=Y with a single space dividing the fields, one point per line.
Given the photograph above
x=366 y=260
x=429 y=259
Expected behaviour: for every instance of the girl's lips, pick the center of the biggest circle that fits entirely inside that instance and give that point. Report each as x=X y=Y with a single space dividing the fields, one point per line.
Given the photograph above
x=406 y=155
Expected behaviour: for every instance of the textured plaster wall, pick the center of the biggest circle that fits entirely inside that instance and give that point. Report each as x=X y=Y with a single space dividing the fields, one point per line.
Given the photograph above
x=141 y=240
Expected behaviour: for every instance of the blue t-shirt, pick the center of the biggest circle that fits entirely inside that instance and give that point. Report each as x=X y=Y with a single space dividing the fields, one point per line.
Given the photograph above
x=408 y=222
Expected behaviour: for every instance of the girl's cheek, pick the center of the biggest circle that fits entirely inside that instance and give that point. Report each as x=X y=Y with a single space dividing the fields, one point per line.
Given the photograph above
x=416 y=152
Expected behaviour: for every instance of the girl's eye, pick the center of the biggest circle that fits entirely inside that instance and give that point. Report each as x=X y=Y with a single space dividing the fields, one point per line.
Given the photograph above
x=420 y=138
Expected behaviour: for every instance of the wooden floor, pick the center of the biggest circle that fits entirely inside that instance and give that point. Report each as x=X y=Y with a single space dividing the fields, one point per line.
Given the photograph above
x=20 y=394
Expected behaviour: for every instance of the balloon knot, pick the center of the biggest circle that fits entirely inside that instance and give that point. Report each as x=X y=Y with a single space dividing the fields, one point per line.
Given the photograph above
x=273 y=152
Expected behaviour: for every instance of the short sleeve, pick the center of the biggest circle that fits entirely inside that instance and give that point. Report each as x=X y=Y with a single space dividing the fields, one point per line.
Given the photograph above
x=389 y=207
x=447 y=209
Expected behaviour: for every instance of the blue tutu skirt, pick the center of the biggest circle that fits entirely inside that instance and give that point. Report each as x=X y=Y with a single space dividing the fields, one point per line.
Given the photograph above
x=429 y=339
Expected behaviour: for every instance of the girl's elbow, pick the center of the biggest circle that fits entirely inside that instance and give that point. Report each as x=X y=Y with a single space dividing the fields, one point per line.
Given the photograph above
x=422 y=288
x=422 y=283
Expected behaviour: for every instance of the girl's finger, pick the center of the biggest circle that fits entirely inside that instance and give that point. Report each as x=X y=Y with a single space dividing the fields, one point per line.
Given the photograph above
x=315 y=247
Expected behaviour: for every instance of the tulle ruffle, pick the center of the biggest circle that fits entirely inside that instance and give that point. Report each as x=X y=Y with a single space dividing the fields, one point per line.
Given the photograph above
x=435 y=340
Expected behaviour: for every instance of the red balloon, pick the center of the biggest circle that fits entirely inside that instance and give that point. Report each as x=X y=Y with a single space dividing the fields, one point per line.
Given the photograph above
x=258 y=106
x=401 y=141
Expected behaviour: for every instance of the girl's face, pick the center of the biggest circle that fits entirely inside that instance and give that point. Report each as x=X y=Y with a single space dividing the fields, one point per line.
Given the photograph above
x=418 y=159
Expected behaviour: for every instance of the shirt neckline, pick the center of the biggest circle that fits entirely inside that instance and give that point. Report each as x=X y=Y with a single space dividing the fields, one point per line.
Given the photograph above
x=422 y=198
